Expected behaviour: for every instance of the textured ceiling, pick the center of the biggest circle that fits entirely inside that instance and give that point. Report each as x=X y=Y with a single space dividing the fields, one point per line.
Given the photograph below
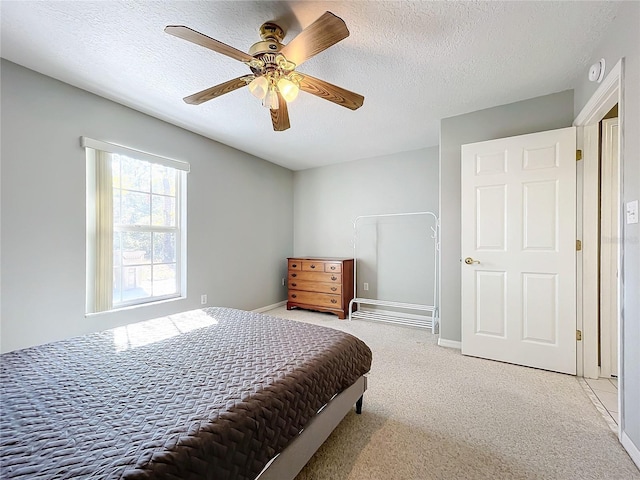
x=415 y=63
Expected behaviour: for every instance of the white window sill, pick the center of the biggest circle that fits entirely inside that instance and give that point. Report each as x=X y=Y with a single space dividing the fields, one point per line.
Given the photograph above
x=133 y=307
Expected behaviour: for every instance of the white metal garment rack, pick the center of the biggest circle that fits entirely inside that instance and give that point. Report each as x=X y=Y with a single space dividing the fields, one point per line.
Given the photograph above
x=430 y=322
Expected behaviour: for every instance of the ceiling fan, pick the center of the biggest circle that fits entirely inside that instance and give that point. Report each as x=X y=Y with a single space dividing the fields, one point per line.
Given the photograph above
x=274 y=78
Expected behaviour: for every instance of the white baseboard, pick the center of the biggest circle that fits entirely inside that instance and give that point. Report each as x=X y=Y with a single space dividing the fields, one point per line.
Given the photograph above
x=631 y=448
x=442 y=342
x=269 y=307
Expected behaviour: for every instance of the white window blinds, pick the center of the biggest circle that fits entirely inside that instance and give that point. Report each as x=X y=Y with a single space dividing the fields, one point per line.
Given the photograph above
x=104 y=233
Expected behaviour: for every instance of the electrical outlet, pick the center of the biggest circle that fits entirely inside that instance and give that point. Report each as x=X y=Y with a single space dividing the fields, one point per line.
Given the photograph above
x=366 y=286
x=283 y=282
x=203 y=299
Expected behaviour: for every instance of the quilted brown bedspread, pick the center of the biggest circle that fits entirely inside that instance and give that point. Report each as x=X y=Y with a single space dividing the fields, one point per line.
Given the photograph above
x=213 y=393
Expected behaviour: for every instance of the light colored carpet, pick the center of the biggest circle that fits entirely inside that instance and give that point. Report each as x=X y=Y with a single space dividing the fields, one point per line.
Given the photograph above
x=431 y=413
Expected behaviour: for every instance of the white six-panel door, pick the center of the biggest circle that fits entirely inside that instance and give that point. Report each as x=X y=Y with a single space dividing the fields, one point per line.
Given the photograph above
x=519 y=223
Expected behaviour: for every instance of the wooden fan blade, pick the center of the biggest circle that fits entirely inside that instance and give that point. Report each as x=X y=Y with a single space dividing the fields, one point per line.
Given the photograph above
x=198 y=38
x=280 y=117
x=331 y=92
x=317 y=37
x=213 y=92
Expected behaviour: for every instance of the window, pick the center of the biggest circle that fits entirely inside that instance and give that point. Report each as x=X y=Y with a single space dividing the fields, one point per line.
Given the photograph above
x=136 y=246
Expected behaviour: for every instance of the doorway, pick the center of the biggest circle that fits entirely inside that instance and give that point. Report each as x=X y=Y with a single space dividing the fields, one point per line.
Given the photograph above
x=605 y=388
x=599 y=281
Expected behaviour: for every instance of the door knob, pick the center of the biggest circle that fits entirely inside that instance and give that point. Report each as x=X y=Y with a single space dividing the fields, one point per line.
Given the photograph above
x=470 y=261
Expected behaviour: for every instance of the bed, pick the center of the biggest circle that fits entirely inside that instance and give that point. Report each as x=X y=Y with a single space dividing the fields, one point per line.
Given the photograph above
x=215 y=393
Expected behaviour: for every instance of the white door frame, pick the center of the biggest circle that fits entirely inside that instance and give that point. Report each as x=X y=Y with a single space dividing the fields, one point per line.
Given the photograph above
x=609 y=93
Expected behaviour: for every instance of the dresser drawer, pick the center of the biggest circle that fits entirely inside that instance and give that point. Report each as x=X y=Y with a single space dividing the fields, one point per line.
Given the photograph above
x=313 y=298
x=315 y=277
x=315 y=286
x=295 y=265
x=311 y=266
x=333 y=267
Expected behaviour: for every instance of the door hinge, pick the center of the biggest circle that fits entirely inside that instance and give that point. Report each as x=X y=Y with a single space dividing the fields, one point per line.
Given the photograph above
x=578 y=245
x=578 y=335
x=578 y=155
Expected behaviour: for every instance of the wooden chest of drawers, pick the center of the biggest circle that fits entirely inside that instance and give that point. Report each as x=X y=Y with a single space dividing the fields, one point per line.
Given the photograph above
x=323 y=284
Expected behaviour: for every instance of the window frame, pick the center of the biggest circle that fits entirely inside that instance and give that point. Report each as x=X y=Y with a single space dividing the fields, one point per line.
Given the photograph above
x=180 y=228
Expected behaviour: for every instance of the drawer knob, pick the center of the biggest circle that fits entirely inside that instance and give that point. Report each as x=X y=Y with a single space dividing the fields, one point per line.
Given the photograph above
x=333 y=300
x=333 y=277
x=294 y=284
x=294 y=265
x=313 y=266
x=333 y=289
x=294 y=274
x=294 y=296
x=333 y=267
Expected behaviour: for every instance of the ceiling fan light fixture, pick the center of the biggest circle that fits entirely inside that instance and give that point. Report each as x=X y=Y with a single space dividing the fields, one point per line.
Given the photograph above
x=288 y=89
x=259 y=87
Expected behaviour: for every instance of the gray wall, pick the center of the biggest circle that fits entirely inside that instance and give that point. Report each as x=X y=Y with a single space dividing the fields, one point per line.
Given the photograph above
x=623 y=40
x=534 y=115
x=328 y=199
x=240 y=211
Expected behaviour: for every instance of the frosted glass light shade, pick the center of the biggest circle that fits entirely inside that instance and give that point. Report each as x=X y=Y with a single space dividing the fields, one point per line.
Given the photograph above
x=259 y=87
x=288 y=89
x=271 y=99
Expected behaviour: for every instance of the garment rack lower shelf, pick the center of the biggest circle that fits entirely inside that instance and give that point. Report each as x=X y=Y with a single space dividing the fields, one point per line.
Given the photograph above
x=383 y=316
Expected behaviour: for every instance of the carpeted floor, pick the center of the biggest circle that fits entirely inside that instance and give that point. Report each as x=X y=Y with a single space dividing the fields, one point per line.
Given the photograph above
x=431 y=413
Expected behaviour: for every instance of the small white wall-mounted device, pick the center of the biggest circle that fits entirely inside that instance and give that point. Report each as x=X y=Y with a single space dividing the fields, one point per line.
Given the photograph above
x=596 y=71
x=632 y=212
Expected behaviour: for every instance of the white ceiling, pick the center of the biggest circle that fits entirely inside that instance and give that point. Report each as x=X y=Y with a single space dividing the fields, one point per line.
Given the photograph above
x=415 y=62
